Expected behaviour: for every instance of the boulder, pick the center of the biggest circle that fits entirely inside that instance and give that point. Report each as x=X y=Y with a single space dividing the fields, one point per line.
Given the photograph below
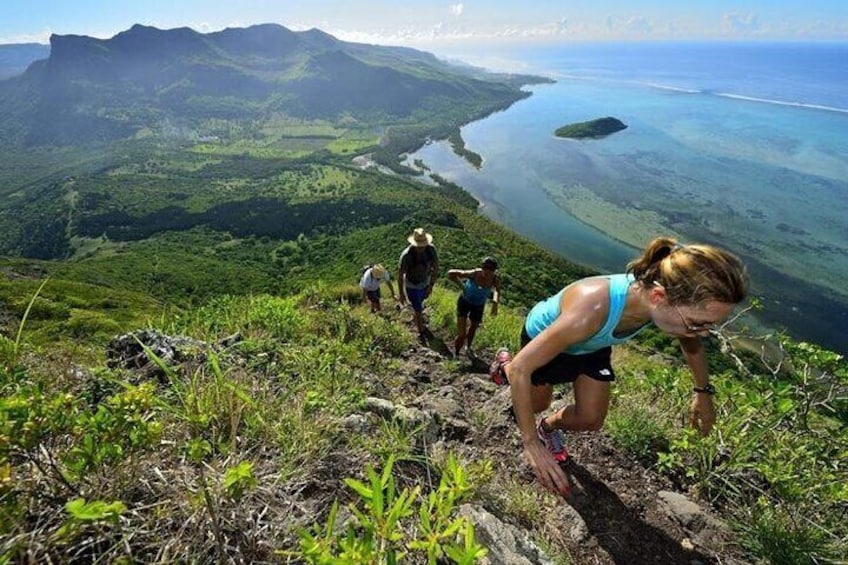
x=507 y=544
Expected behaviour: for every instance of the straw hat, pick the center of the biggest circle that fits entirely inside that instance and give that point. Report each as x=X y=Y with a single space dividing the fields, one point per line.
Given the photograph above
x=377 y=271
x=420 y=238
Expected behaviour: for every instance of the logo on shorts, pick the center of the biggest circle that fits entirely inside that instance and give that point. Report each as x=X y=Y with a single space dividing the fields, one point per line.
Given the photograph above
x=605 y=372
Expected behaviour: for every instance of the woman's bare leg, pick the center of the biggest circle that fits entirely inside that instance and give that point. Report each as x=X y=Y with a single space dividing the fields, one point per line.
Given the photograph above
x=591 y=402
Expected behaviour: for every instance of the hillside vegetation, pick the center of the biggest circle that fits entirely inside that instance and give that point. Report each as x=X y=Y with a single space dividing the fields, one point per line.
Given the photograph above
x=237 y=446
x=90 y=133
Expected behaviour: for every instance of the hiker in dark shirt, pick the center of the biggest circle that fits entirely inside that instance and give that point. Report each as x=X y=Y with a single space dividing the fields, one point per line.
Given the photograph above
x=417 y=272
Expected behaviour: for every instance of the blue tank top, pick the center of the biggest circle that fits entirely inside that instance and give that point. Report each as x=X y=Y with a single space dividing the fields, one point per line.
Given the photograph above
x=545 y=312
x=473 y=293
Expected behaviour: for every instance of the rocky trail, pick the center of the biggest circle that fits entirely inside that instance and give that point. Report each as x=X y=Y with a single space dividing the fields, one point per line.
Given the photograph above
x=619 y=511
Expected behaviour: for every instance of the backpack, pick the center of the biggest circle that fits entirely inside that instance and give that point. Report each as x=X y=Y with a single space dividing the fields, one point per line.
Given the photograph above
x=417 y=266
x=362 y=272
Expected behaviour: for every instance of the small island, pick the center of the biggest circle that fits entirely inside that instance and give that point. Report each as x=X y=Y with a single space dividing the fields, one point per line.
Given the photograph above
x=592 y=129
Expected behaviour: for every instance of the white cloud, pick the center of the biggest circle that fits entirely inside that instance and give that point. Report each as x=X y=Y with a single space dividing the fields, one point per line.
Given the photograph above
x=41 y=37
x=206 y=27
x=736 y=23
x=638 y=25
x=562 y=26
x=457 y=9
x=633 y=26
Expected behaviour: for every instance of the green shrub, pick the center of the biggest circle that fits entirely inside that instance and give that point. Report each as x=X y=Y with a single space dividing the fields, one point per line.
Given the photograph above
x=277 y=317
x=42 y=309
x=782 y=537
x=85 y=324
x=120 y=426
x=387 y=527
x=636 y=429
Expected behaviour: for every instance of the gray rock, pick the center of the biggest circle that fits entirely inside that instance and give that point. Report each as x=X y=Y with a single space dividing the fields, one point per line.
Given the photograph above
x=356 y=423
x=379 y=406
x=706 y=531
x=507 y=544
x=445 y=401
x=687 y=513
x=413 y=418
x=140 y=350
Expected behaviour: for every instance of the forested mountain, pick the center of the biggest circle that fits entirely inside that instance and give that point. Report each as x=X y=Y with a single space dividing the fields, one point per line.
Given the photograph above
x=100 y=123
x=16 y=57
x=94 y=90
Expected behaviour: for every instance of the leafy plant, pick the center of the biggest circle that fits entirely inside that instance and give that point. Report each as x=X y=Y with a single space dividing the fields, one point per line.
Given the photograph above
x=382 y=531
x=82 y=514
x=239 y=479
x=782 y=537
x=10 y=351
x=120 y=426
x=634 y=428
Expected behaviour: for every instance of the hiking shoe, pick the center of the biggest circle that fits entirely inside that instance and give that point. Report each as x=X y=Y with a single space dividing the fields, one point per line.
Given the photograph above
x=552 y=441
x=496 y=372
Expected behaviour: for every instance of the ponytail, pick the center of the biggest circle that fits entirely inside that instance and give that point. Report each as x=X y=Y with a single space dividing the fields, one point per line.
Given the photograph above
x=691 y=274
x=645 y=269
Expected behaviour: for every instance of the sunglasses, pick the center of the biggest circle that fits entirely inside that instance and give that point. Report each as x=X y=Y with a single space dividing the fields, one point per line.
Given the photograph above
x=697 y=327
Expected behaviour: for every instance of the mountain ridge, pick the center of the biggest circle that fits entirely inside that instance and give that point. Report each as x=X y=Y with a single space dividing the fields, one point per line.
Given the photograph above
x=16 y=57
x=95 y=90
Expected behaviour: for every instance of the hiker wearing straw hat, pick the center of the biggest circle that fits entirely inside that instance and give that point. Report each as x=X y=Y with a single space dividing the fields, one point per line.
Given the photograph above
x=372 y=278
x=477 y=285
x=417 y=272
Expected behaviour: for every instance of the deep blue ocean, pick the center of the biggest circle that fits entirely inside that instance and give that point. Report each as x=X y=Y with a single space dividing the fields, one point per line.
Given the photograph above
x=744 y=145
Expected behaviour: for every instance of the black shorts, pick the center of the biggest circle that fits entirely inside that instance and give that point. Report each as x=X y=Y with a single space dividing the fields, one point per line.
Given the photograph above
x=373 y=295
x=565 y=368
x=464 y=309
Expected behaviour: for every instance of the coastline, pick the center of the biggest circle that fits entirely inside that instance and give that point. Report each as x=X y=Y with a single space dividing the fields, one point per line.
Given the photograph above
x=639 y=186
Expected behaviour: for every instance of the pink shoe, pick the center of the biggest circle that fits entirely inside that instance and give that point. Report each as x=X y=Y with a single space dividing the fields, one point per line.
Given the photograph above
x=496 y=372
x=552 y=441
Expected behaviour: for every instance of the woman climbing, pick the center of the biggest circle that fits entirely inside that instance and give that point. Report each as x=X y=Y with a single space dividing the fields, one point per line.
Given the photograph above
x=684 y=290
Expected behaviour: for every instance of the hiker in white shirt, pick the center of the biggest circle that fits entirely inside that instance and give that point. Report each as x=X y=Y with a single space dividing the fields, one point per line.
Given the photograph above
x=372 y=278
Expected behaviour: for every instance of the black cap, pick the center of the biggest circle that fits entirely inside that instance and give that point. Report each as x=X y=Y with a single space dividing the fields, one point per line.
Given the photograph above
x=490 y=263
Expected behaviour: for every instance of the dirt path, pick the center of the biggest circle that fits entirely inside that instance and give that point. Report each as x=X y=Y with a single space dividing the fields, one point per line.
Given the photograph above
x=616 y=512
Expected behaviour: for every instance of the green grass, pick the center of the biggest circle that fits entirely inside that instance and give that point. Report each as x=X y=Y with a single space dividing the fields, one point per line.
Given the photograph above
x=783 y=537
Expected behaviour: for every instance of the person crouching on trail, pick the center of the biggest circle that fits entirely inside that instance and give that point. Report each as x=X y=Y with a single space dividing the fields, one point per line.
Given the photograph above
x=477 y=285
x=372 y=278
x=417 y=272
x=684 y=290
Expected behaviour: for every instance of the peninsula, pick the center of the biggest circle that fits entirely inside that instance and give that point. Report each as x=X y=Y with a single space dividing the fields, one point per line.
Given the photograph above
x=593 y=128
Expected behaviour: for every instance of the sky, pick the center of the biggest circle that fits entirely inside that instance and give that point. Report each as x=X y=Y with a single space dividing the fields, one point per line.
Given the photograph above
x=430 y=24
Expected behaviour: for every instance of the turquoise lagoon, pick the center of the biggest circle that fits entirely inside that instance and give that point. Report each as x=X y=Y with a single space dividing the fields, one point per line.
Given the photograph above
x=744 y=146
